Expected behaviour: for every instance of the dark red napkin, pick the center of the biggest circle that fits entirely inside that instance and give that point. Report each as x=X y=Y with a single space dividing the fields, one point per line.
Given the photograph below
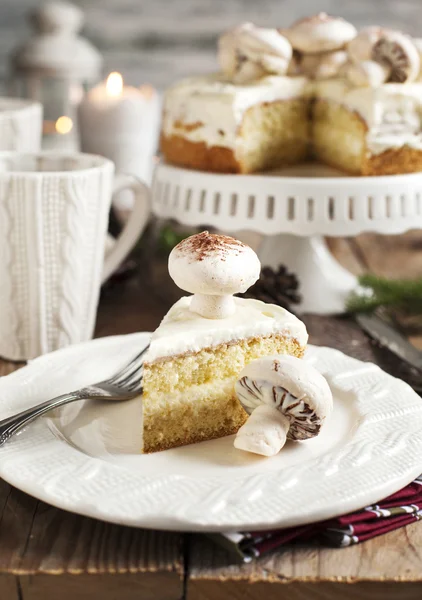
x=396 y=511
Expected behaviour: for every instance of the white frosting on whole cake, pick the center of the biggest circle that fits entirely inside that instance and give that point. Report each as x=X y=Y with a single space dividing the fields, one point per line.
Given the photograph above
x=210 y=108
x=184 y=331
x=392 y=112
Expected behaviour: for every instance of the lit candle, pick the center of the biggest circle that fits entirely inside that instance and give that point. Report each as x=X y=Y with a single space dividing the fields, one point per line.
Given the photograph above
x=121 y=123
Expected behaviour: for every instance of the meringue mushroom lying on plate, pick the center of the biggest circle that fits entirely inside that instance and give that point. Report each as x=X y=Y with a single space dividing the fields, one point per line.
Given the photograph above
x=286 y=397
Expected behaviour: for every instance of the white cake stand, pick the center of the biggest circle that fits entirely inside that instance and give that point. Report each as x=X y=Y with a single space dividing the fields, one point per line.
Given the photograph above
x=294 y=208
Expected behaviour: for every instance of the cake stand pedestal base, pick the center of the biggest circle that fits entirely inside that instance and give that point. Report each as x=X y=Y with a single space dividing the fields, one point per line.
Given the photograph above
x=324 y=283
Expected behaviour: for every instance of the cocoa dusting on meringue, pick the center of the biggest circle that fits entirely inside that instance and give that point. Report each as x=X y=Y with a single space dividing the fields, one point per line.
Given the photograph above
x=205 y=244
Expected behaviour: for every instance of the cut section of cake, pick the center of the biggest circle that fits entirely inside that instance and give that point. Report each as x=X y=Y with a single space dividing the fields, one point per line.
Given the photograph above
x=211 y=124
x=204 y=342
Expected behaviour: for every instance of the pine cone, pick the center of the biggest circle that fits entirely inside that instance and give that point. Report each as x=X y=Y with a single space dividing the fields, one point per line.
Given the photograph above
x=275 y=286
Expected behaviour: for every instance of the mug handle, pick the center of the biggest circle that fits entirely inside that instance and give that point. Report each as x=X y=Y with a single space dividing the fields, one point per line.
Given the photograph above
x=135 y=225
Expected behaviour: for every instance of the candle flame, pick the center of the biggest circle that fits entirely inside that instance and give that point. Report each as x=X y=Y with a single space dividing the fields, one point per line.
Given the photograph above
x=64 y=125
x=114 y=84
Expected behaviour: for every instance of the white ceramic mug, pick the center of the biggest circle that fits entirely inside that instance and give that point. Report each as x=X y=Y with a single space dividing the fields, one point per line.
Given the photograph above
x=20 y=125
x=54 y=212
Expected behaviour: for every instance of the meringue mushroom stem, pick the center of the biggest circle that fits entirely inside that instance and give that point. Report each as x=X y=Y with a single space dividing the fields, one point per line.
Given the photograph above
x=264 y=432
x=213 y=307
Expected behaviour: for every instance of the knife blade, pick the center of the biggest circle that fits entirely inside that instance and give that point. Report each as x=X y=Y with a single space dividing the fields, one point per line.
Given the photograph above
x=388 y=336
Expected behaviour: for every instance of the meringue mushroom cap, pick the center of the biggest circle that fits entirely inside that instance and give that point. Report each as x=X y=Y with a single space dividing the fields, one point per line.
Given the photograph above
x=215 y=265
x=296 y=376
x=320 y=33
x=360 y=48
x=255 y=41
x=263 y=50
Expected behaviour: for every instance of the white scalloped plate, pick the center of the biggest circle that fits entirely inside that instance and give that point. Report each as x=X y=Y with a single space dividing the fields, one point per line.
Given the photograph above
x=85 y=459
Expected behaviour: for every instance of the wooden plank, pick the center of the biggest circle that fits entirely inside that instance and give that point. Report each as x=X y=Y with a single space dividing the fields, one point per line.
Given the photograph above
x=311 y=572
x=16 y=515
x=129 y=586
x=9 y=587
x=64 y=543
x=243 y=590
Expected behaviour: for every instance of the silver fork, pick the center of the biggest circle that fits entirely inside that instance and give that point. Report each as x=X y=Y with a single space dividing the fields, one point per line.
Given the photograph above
x=124 y=385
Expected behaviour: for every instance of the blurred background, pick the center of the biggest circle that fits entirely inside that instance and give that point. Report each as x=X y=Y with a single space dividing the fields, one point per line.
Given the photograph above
x=161 y=40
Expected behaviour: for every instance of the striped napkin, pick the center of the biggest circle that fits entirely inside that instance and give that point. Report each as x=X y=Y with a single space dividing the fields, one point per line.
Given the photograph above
x=399 y=509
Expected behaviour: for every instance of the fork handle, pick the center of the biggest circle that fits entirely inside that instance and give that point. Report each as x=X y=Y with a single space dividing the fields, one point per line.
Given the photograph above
x=11 y=425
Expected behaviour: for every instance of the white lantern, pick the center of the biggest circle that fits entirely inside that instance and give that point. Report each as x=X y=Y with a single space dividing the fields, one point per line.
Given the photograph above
x=55 y=67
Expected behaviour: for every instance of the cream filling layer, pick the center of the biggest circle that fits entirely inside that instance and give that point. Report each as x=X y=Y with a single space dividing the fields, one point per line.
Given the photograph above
x=210 y=109
x=195 y=396
x=183 y=330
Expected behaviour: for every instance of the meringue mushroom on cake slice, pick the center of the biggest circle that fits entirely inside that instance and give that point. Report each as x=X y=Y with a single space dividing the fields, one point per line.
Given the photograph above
x=212 y=287
x=205 y=340
x=286 y=398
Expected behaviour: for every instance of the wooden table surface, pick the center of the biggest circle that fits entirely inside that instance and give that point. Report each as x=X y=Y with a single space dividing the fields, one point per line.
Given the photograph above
x=49 y=554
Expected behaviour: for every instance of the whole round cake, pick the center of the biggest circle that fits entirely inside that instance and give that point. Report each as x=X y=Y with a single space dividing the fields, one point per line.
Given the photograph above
x=320 y=88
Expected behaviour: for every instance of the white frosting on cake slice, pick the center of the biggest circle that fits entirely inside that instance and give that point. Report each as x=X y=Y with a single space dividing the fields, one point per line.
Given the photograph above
x=184 y=331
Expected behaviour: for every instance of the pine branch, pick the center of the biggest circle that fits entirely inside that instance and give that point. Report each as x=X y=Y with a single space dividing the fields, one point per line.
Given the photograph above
x=357 y=303
x=390 y=293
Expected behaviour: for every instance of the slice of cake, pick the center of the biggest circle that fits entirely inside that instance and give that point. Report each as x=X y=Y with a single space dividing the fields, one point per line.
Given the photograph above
x=204 y=342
